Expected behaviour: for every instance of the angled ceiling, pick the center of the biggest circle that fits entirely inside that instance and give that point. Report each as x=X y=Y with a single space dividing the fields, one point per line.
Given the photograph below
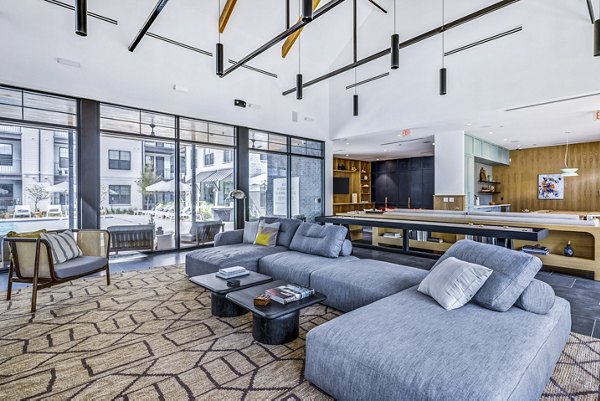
x=550 y=59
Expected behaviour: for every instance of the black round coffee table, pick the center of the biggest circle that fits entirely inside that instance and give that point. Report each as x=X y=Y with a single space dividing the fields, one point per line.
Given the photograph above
x=220 y=306
x=276 y=323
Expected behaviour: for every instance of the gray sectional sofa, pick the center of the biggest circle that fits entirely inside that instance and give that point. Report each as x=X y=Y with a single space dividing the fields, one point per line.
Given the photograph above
x=396 y=343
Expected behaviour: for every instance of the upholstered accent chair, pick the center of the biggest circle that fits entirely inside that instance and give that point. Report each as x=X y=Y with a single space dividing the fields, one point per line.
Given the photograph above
x=203 y=232
x=32 y=262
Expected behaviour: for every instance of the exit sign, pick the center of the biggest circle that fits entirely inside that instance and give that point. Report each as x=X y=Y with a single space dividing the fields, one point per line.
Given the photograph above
x=598 y=115
x=406 y=132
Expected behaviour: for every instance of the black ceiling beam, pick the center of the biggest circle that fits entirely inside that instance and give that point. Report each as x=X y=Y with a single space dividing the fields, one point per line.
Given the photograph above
x=591 y=10
x=436 y=31
x=378 y=6
x=297 y=26
x=149 y=21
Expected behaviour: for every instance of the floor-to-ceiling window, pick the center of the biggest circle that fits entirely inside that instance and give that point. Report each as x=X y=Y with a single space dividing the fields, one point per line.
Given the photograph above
x=306 y=172
x=38 y=161
x=207 y=169
x=285 y=176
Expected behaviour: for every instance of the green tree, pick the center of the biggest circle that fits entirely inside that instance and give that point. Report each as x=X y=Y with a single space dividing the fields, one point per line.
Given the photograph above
x=37 y=193
x=147 y=178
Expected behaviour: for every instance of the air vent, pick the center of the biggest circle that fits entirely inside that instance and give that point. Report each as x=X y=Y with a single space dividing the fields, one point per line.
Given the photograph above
x=400 y=142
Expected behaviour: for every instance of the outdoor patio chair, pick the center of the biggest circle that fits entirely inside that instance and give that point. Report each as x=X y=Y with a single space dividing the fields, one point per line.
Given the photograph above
x=54 y=210
x=203 y=232
x=132 y=237
x=22 y=211
x=32 y=262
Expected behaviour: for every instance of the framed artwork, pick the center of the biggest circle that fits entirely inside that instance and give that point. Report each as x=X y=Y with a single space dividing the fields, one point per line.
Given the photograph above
x=551 y=186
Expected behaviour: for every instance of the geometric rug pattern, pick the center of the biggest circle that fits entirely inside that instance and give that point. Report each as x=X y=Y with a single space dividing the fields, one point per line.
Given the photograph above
x=150 y=335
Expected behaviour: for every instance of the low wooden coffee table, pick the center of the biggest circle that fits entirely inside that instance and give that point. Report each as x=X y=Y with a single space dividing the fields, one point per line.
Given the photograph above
x=219 y=305
x=275 y=323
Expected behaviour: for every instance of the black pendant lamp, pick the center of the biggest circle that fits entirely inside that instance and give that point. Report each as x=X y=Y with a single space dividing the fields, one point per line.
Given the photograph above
x=307 y=10
x=395 y=45
x=443 y=71
x=81 y=17
x=299 y=75
x=597 y=35
x=219 y=50
x=355 y=98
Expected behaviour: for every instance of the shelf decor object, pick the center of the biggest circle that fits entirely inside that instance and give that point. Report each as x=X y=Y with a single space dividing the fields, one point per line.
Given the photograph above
x=551 y=186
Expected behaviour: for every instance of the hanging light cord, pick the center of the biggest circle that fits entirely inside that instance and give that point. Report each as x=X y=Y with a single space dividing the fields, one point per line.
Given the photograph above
x=394 y=16
x=218 y=21
x=299 y=36
x=567 y=152
x=443 y=32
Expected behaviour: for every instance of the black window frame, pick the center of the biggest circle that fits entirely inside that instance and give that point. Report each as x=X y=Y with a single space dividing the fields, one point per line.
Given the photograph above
x=120 y=163
x=7 y=160
x=228 y=156
x=118 y=188
x=209 y=157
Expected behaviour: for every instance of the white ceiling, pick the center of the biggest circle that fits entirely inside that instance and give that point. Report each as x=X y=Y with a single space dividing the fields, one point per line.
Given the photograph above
x=551 y=59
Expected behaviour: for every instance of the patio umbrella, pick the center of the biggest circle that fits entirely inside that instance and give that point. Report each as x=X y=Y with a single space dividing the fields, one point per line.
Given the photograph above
x=168 y=186
x=60 y=187
x=3 y=191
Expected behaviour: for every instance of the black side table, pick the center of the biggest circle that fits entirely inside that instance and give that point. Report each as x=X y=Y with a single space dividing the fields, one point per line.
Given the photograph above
x=219 y=305
x=275 y=323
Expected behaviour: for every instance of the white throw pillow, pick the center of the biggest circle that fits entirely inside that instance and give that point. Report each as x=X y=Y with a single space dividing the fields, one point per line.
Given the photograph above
x=64 y=247
x=250 y=231
x=454 y=282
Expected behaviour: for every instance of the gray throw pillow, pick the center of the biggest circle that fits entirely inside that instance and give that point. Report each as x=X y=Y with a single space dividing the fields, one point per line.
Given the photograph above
x=250 y=230
x=454 y=282
x=538 y=298
x=316 y=239
x=513 y=271
x=346 y=248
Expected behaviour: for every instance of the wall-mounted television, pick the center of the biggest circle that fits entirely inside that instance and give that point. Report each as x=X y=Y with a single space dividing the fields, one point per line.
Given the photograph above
x=341 y=185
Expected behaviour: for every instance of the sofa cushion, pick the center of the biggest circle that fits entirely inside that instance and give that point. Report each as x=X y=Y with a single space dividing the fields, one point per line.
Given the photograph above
x=210 y=260
x=346 y=248
x=513 y=271
x=250 y=231
x=267 y=234
x=297 y=267
x=79 y=266
x=538 y=297
x=356 y=283
x=316 y=239
x=405 y=347
x=454 y=282
x=286 y=230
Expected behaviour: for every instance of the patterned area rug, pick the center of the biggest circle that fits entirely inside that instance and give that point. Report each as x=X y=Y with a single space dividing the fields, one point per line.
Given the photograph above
x=151 y=335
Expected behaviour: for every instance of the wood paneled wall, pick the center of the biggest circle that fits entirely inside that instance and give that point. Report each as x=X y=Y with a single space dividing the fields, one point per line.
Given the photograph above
x=520 y=179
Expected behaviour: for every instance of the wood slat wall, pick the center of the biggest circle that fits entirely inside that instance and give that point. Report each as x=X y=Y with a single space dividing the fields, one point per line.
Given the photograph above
x=520 y=179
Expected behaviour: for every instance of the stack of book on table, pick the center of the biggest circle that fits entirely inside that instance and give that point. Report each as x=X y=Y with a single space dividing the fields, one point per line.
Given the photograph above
x=535 y=249
x=231 y=272
x=289 y=293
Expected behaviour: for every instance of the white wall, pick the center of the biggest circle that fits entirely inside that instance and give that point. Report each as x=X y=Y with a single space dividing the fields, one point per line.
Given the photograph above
x=450 y=163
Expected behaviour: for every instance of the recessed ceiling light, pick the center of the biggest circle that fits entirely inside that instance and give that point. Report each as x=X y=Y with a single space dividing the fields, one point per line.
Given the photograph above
x=469 y=124
x=347 y=155
x=491 y=133
x=385 y=150
x=347 y=143
x=377 y=159
x=505 y=139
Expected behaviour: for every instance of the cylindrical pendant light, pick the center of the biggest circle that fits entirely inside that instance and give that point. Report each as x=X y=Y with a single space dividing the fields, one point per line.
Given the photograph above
x=443 y=71
x=299 y=86
x=307 y=10
x=81 y=17
x=219 y=55
x=395 y=51
x=597 y=38
x=355 y=105
x=395 y=45
x=443 y=81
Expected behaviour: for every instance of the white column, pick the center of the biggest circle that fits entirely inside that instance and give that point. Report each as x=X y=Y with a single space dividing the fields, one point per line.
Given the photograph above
x=450 y=163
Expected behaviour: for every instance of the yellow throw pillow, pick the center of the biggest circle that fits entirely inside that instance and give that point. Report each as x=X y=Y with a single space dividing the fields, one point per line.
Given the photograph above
x=267 y=234
x=32 y=234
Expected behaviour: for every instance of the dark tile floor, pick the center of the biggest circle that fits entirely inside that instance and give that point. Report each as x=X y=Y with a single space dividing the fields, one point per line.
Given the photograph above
x=582 y=293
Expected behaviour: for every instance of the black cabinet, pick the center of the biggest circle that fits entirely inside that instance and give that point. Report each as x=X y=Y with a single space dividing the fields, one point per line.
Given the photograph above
x=405 y=183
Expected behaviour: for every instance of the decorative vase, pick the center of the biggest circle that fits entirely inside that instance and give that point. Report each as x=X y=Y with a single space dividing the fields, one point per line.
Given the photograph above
x=569 y=250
